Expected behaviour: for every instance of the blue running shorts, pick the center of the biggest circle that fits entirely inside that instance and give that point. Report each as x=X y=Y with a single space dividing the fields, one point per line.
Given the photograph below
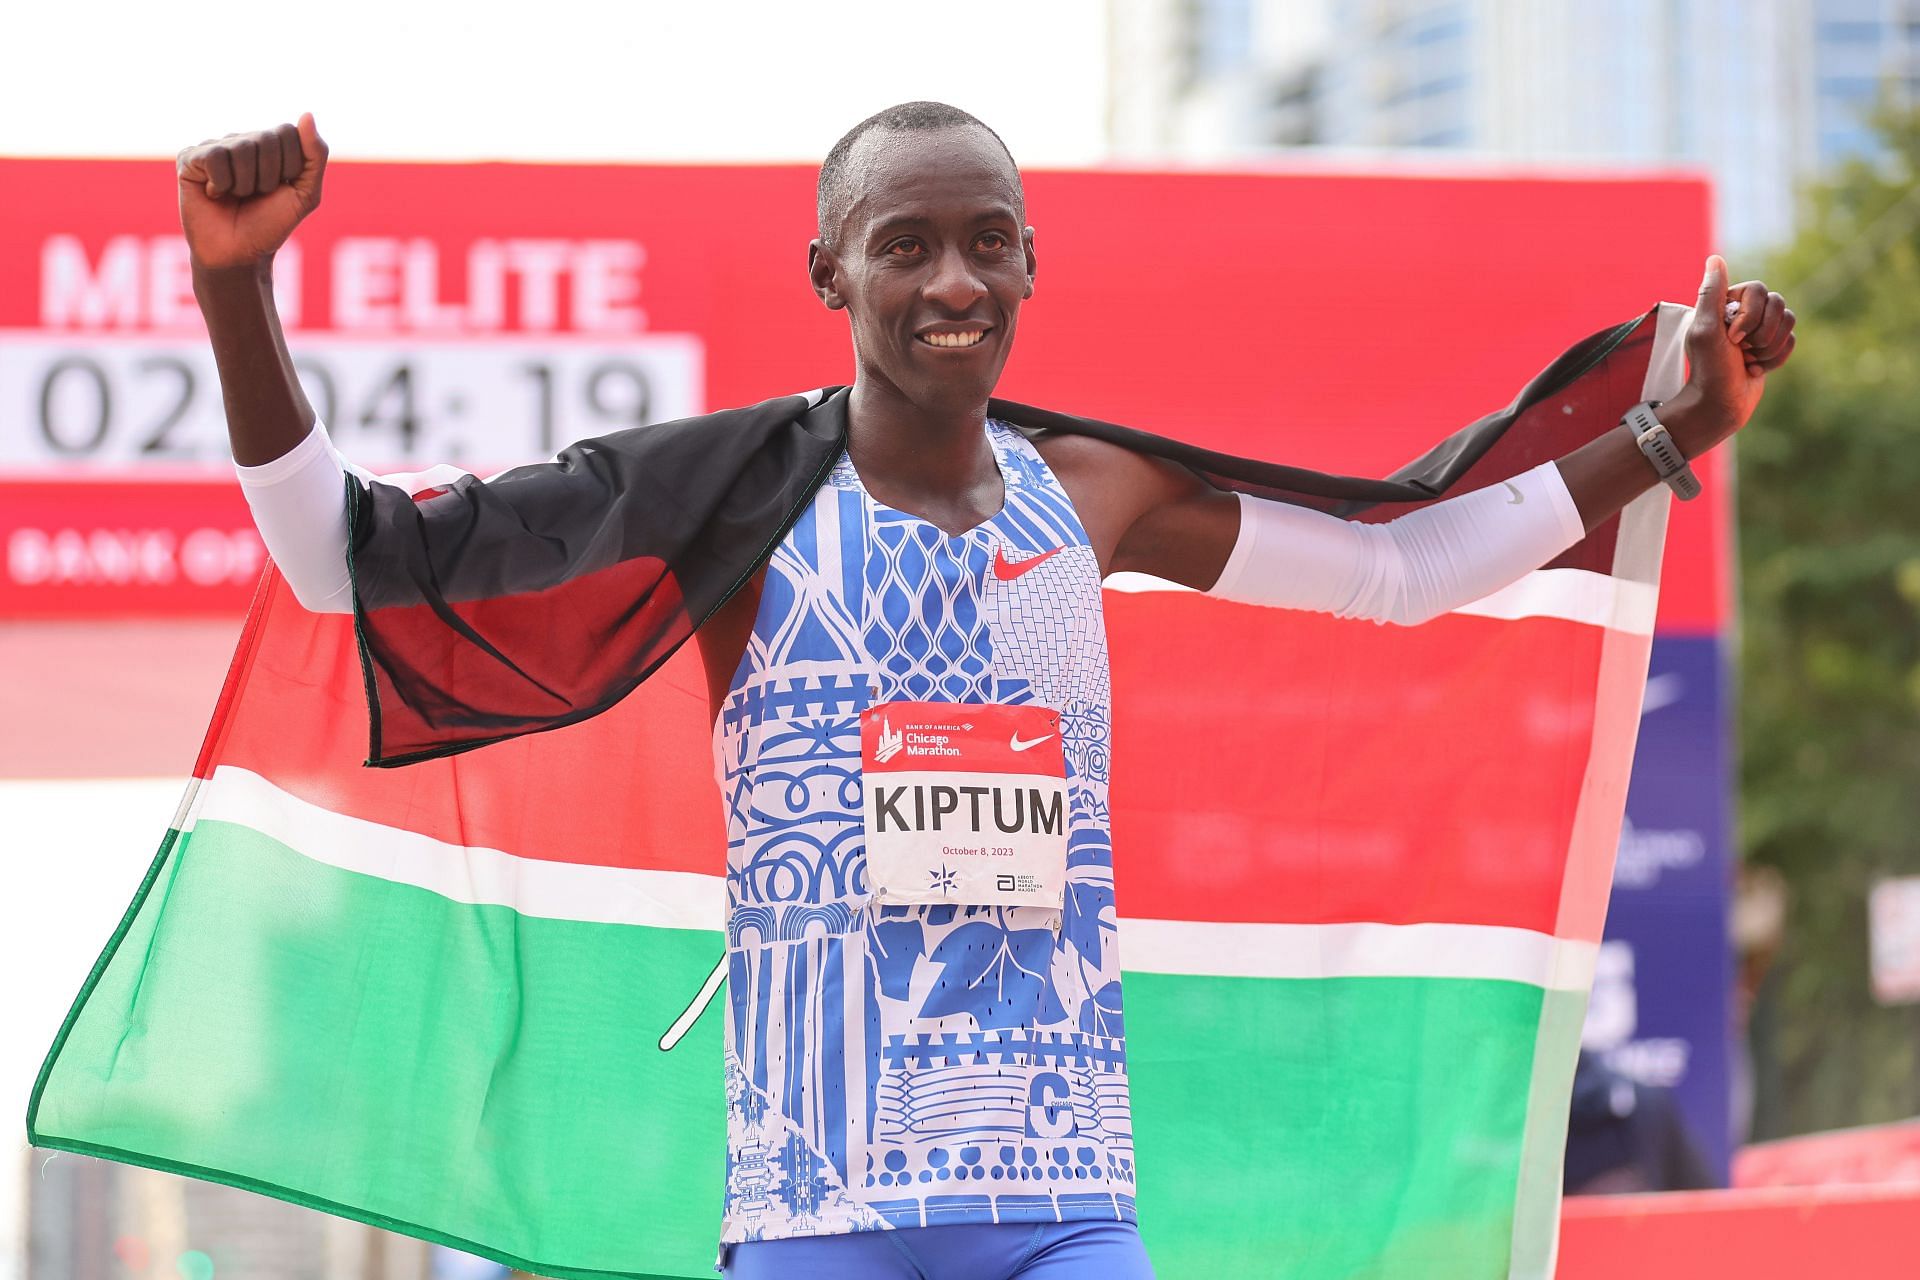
x=968 y=1251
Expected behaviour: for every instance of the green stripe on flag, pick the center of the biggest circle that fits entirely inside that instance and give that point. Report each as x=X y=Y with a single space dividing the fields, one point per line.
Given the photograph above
x=1536 y=1213
x=1382 y=1117
x=374 y=1048
x=379 y=1050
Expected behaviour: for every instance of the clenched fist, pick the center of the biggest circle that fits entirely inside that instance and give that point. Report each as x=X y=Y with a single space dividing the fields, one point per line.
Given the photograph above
x=241 y=196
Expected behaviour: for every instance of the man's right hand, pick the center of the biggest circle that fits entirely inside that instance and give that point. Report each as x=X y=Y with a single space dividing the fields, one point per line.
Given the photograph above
x=241 y=196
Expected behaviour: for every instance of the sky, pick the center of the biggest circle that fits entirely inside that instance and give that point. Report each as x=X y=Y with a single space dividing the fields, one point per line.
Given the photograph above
x=561 y=79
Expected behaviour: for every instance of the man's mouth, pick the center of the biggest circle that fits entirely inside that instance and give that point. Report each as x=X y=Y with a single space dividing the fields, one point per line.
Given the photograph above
x=962 y=338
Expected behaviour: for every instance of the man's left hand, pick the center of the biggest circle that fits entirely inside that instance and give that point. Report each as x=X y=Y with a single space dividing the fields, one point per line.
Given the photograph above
x=1738 y=335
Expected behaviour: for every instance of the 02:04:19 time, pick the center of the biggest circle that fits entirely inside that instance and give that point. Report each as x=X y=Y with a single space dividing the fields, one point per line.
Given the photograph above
x=165 y=405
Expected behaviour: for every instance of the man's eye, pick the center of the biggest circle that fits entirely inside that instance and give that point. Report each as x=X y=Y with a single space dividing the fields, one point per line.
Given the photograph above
x=904 y=248
x=993 y=240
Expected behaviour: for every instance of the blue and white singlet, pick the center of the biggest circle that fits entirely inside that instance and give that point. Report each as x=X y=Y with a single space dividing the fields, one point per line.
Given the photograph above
x=916 y=1066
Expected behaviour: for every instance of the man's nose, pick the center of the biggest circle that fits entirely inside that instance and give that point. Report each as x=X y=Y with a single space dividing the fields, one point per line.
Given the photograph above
x=953 y=283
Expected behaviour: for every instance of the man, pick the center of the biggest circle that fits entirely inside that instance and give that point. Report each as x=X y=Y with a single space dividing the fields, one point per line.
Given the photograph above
x=923 y=642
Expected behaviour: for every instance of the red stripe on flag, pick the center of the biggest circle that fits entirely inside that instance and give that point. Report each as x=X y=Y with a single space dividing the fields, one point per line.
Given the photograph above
x=632 y=787
x=1337 y=771
x=225 y=709
x=1341 y=771
x=493 y=667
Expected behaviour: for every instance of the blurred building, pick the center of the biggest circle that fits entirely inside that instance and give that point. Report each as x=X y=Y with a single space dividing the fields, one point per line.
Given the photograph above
x=95 y=1220
x=1760 y=93
x=1209 y=79
x=1857 y=49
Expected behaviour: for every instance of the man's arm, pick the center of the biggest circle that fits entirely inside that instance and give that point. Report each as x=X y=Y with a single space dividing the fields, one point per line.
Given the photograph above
x=1727 y=367
x=241 y=196
x=1152 y=517
x=1275 y=553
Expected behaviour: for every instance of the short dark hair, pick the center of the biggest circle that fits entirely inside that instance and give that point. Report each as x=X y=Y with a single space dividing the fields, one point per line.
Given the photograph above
x=835 y=190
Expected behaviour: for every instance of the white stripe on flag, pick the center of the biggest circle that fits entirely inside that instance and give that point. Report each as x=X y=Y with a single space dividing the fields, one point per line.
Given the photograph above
x=1359 y=950
x=685 y=900
x=1574 y=595
x=1571 y=595
x=531 y=886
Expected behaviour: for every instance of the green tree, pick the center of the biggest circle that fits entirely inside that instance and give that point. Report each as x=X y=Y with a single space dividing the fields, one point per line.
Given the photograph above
x=1829 y=524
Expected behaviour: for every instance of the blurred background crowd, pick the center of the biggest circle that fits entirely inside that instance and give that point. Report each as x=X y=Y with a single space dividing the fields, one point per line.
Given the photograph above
x=1762 y=969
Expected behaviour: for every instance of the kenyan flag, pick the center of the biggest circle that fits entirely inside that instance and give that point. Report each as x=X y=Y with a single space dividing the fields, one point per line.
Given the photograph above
x=1362 y=872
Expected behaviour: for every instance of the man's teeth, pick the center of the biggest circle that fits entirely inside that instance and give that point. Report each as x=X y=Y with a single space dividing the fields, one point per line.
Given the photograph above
x=953 y=339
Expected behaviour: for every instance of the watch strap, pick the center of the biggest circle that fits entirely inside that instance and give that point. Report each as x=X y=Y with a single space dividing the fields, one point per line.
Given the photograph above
x=1658 y=446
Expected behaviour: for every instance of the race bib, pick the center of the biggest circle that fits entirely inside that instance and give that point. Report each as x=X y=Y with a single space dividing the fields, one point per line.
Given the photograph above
x=964 y=803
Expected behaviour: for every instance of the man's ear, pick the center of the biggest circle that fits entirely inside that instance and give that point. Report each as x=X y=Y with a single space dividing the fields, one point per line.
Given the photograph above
x=1026 y=242
x=823 y=268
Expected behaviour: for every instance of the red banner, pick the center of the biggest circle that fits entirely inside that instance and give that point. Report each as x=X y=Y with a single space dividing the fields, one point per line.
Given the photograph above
x=1882 y=1154
x=485 y=314
x=1860 y=1233
x=82 y=547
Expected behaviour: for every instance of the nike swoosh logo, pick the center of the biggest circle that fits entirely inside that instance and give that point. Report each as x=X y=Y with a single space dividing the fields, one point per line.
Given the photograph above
x=1018 y=745
x=1517 y=498
x=1007 y=571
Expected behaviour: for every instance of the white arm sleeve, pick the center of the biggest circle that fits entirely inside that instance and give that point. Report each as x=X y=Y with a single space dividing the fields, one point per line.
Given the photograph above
x=1405 y=570
x=299 y=504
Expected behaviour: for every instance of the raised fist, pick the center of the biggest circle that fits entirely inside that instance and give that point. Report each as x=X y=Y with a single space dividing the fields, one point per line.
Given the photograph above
x=241 y=196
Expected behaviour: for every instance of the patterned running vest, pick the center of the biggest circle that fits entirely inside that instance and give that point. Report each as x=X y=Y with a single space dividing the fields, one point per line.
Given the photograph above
x=895 y=1066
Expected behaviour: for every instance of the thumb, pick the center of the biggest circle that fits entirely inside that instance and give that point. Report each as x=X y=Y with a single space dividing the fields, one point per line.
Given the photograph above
x=1713 y=289
x=313 y=155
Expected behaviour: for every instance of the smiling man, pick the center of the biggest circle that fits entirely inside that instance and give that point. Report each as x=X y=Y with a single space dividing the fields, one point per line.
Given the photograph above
x=926 y=1065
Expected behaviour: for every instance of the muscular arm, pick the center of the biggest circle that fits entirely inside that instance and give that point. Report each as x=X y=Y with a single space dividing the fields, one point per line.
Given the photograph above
x=241 y=196
x=1272 y=553
x=267 y=411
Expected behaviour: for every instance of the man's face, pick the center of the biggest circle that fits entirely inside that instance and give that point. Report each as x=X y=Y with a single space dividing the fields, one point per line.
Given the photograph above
x=931 y=261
